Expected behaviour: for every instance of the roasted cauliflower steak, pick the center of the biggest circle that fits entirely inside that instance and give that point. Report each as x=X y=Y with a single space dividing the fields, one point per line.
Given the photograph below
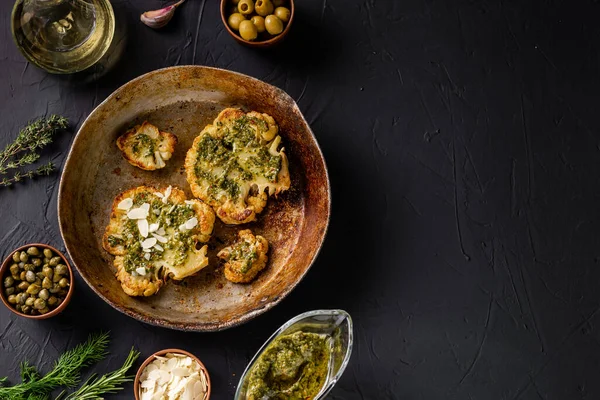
x=245 y=258
x=145 y=147
x=236 y=163
x=156 y=234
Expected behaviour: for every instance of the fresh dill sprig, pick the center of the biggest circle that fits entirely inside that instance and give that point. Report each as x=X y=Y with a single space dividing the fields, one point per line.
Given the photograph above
x=95 y=388
x=24 y=150
x=65 y=372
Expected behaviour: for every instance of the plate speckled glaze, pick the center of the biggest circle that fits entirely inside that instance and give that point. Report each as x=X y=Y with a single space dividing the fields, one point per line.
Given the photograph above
x=182 y=100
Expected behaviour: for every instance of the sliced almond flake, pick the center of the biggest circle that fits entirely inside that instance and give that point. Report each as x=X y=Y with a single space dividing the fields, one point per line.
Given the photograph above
x=125 y=204
x=160 y=238
x=146 y=250
x=154 y=375
x=148 y=384
x=159 y=194
x=145 y=206
x=153 y=227
x=191 y=223
x=181 y=372
x=182 y=228
x=148 y=243
x=142 y=225
x=137 y=213
x=147 y=256
x=161 y=231
x=159 y=247
x=172 y=208
x=167 y=194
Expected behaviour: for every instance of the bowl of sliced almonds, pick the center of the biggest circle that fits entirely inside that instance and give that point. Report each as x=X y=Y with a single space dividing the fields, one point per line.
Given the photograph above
x=172 y=374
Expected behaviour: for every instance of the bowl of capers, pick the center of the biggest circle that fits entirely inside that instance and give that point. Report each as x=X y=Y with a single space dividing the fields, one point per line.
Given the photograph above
x=257 y=23
x=37 y=281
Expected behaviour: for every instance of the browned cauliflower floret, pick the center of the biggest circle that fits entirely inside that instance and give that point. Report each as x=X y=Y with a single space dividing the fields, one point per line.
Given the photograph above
x=245 y=258
x=145 y=147
x=236 y=163
x=154 y=236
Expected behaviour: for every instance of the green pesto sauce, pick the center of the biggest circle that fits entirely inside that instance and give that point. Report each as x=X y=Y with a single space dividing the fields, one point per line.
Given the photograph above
x=293 y=367
x=245 y=253
x=167 y=216
x=225 y=153
x=143 y=142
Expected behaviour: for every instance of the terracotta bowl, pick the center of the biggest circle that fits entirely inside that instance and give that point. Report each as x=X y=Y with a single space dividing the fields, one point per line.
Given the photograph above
x=258 y=44
x=9 y=261
x=136 y=382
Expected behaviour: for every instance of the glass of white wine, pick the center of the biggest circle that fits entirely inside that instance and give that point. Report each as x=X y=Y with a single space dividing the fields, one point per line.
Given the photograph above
x=63 y=36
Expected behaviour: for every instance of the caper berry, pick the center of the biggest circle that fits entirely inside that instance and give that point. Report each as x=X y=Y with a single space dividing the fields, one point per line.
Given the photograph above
x=52 y=300
x=21 y=298
x=18 y=307
x=264 y=7
x=44 y=294
x=23 y=257
x=44 y=310
x=9 y=281
x=64 y=282
x=33 y=289
x=22 y=275
x=47 y=283
x=12 y=299
x=282 y=13
x=30 y=276
x=9 y=291
x=33 y=251
x=56 y=277
x=259 y=22
x=23 y=285
x=37 y=262
x=61 y=269
x=46 y=260
x=55 y=288
x=54 y=261
x=48 y=253
x=29 y=302
x=29 y=267
x=25 y=309
x=40 y=275
x=234 y=20
x=246 y=7
x=39 y=304
x=248 y=30
x=14 y=269
x=274 y=25
x=16 y=256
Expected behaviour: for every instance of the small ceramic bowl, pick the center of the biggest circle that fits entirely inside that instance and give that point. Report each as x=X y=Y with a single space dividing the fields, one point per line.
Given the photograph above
x=9 y=261
x=335 y=323
x=136 y=382
x=225 y=4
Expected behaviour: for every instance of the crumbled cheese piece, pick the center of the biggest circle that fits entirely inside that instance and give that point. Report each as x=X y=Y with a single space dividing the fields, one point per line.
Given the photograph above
x=167 y=194
x=173 y=377
x=125 y=204
x=141 y=270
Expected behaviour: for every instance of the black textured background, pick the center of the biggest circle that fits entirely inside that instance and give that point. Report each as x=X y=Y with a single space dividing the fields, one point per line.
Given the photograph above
x=463 y=147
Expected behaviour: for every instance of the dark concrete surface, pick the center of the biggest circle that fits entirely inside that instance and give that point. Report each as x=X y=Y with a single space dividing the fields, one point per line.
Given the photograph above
x=463 y=144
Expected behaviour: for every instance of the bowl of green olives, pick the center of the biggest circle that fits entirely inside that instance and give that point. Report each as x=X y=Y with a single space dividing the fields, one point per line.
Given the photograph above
x=257 y=23
x=37 y=281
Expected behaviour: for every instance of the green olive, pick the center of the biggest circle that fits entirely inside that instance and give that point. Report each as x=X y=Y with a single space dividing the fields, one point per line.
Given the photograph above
x=274 y=25
x=9 y=291
x=248 y=30
x=33 y=251
x=47 y=283
x=30 y=276
x=246 y=7
x=9 y=281
x=48 y=253
x=33 y=289
x=263 y=7
x=52 y=300
x=44 y=294
x=23 y=285
x=37 y=262
x=29 y=267
x=22 y=275
x=235 y=20
x=282 y=13
x=61 y=269
x=39 y=304
x=278 y=3
x=23 y=256
x=63 y=283
x=16 y=256
x=14 y=269
x=29 y=302
x=259 y=22
x=54 y=261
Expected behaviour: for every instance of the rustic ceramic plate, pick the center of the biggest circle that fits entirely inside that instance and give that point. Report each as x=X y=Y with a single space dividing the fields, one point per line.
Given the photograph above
x=182 y=100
